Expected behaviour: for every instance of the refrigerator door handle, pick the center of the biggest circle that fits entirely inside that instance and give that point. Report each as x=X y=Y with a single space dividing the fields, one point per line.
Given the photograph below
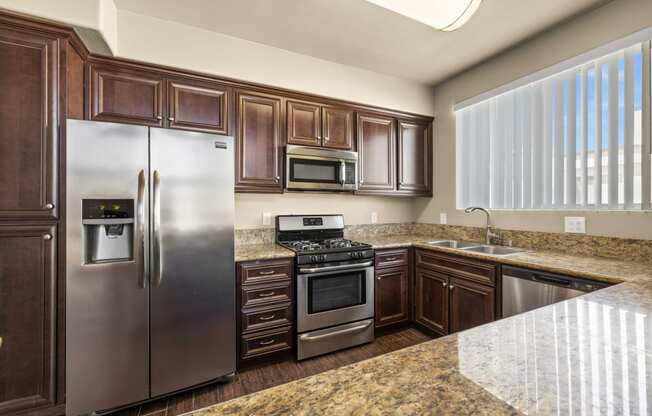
x=156 y=209
x=140 y=208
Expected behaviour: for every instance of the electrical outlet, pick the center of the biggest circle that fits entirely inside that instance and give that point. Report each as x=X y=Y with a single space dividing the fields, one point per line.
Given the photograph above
x=575 y=225
x=267 y=218
x=443 y=218
x=374 y=217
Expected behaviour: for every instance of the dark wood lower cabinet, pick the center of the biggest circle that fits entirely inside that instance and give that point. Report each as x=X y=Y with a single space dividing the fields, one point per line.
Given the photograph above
x=471 y=304
x=27 y=318
x=265 y=293
x=391 y=296
x=453 y=293
x=431 y=297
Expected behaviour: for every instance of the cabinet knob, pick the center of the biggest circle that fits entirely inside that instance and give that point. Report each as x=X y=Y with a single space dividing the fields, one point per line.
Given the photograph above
x=171 y=118
x=443 y=284
x=326 y=138
x=47 y=236
x=276 y=179
x=451 y=287
x=378 y=278
x=49 y=206
x=360 y=181
x=159 y=117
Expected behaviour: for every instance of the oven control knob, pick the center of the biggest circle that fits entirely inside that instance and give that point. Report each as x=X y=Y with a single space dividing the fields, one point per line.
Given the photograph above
x=322 y=257
x=313 y=259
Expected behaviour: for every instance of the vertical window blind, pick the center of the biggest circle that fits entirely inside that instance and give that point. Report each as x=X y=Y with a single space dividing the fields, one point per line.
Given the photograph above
x=576 y=139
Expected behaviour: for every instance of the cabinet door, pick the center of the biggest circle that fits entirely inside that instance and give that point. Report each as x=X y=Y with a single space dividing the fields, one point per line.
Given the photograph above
x=391 y=296
x=303 y=124
x=431 y=297
x=28 y=125
x=27 y=321
x=376 y=154
x=337 y=127
x=258 y=145
x=126 y=96
x=471 y=304
x=198 y=106
x=414 y=158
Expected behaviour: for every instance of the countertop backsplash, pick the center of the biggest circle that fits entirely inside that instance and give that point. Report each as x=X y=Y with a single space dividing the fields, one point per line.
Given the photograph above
x=573 y=244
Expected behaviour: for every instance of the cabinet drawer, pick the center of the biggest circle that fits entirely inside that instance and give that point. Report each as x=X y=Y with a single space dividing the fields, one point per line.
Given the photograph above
x=262 y=343
x=257 y=319
x=263 y=272
x=464 y=268
x=265 y=294
x=391 y=258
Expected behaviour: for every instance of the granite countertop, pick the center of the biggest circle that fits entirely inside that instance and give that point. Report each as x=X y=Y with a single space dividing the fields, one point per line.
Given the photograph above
x=591 y=355
x=249 y=252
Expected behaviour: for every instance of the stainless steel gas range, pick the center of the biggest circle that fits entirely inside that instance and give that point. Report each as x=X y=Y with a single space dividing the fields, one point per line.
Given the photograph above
x=335 y=287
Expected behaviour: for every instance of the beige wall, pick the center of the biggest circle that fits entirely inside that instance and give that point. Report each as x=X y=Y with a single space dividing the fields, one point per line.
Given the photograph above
x=100 y=15
x=356 y=209
x=169 y=43
x=612 y=21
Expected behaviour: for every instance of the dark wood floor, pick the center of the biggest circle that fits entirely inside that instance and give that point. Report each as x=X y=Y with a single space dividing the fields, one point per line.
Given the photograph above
x=259 y=378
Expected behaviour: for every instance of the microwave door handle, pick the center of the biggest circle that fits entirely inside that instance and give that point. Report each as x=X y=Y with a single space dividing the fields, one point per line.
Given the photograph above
x=342 y=173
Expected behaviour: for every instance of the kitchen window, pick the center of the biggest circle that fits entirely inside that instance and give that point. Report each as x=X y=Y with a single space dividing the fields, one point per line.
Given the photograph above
x=574 y=136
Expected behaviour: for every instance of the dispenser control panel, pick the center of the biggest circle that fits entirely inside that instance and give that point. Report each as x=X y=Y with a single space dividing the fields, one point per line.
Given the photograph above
x=97 y=209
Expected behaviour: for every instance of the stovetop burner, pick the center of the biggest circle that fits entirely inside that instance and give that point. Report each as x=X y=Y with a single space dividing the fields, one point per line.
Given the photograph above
x=315 y=246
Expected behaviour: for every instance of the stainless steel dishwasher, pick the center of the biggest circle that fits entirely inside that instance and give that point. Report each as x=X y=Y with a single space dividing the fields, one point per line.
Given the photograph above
x=524 y=290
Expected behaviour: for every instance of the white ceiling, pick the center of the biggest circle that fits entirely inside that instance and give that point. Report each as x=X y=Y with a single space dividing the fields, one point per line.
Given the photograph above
x=361 y=34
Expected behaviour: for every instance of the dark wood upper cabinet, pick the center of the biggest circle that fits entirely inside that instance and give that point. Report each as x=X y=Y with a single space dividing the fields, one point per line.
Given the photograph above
x=258 y=148
x=29 y=79
x=124 y=95
x=391 y=296
x=27 y=318
x=471 y=304
x=376 y=154
x=431 y=297
x=303 y=123
x=198 y=106
x=337 y=128
x=414 y=158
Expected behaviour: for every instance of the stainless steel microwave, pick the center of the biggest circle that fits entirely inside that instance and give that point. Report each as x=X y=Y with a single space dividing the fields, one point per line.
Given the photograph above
x=311 y=168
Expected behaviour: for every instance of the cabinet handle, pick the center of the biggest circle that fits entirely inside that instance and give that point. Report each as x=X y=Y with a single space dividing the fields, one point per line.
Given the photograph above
x=47 y=236
x=171 y=118
x=49 y=206
x=391 y=258
x=443 y=284
x=271 y=341
x=159 y=117
x=277 y=179
x=267 y=272
x=326 y=138
x=267 y=318
x=0 y=342
x=266 y=294
x=451 y=287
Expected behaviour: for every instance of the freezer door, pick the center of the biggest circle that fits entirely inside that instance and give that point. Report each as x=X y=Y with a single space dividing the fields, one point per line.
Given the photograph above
x=107 y=362
x=192 y=263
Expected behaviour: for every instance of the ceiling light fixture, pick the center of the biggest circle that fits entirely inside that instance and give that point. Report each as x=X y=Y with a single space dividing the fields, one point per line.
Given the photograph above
x=445 y=15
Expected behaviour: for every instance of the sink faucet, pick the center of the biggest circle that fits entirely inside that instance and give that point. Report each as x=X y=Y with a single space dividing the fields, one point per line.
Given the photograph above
x=489 y=233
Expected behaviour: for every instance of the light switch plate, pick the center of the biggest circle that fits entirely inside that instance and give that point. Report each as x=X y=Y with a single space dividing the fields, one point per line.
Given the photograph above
x=443 y=218
x=575 y=225
x=267 y=218
x=374 y=217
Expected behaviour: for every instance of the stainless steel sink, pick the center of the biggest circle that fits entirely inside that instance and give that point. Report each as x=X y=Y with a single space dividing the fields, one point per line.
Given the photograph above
x=453 y=244
x=495 y=250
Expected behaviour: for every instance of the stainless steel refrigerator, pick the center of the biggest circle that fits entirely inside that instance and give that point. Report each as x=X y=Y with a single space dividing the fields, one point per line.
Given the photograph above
x=150 y=286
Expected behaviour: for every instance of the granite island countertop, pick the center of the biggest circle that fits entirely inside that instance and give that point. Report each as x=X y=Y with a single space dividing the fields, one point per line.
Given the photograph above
x=590 y=355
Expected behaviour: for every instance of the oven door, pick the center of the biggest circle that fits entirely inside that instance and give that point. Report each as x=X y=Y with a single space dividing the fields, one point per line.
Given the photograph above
x=316 y=173
x=333 y=295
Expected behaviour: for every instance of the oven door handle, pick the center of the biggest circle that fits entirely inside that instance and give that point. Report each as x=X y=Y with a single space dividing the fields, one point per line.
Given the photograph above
x=352 y=267
x=313 y=338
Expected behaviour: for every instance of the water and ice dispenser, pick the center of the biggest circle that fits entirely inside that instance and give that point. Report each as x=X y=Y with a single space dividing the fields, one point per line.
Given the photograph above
x=108 y=230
